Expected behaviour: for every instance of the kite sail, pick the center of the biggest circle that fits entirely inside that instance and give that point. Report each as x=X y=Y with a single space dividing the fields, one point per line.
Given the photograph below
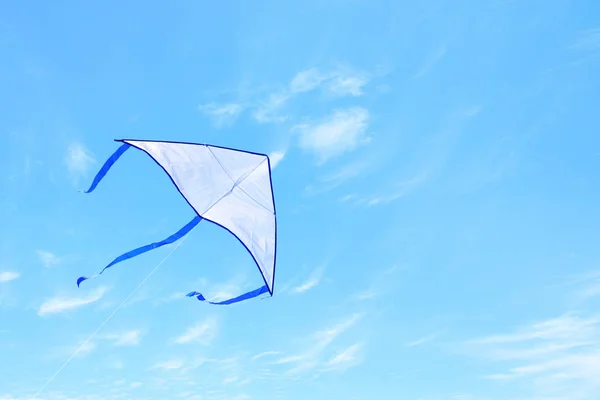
x=230 y=188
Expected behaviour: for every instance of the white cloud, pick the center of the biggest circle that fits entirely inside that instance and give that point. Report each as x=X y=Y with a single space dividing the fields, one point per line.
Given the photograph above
x=129 y=338
x=135 y=385
x=559 y=357
x=202 y=333
x=269 y=110
x=61 y=303
x=81 y=349
x=169 y=365
x=381 y=283
x=588 y=285
x=7 y=276
x=313 y=280
x=420 y=341
x=347 y=86
x=389 y=195
x=78 y=160
x=431 y=61
x=340 y=82
x=266 y=354
x=275 y=158
x=223 y=115
x=338 y=178
x=346 y=358
x=48 y=259
x=587 y=40
x=307 y=80
x=312 y=357
x=342 y=131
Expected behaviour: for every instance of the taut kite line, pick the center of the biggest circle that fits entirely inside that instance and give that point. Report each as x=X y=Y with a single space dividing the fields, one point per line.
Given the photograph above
x=230 y=188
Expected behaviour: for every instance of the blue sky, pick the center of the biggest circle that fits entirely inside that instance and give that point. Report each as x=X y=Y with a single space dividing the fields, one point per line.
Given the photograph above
x=436 y=184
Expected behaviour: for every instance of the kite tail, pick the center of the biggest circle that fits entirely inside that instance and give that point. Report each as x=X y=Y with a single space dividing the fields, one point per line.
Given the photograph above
x=245 y=296
x=140 y=250
x=107 y=165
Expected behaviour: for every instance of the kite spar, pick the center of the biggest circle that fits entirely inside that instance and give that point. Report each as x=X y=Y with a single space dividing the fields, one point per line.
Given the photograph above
x=230 y=188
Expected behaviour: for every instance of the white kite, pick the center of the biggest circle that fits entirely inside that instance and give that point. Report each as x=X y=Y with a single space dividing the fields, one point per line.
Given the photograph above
x=230 y=188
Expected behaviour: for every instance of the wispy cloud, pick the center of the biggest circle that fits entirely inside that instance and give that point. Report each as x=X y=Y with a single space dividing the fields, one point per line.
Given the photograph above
x=431 y=61
x=321 y=340
x=587 y=40
x=393 y=192
x=266 y=354
x=587 y=286
x=78 y=160
x=557 y=357
x=347 y=86
x=307 y=80
x=169 y=365
x=221 y=115
x=47 y=258
x=380 y=284
x=342 y=131
x=276 y=157
x=7 y=276
x=129 y=338
x=201 y=333
x=64 y=303
x=338 y=82
x=422 y=340
x=312 y=281
x=269 y=110
x=81 y=349
x=333 y=180
x=346 y=358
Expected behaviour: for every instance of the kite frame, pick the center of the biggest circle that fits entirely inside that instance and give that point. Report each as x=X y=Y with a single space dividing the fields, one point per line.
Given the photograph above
x=271 y=288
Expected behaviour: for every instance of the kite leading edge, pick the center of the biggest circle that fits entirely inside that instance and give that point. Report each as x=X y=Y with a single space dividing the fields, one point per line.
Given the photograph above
x=230 y=188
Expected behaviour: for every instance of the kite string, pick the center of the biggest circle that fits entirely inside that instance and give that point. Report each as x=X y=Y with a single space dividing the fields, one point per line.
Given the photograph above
x=108 y=318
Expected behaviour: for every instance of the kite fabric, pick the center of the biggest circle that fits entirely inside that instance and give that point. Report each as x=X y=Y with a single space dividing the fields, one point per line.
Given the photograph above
x=230 y=188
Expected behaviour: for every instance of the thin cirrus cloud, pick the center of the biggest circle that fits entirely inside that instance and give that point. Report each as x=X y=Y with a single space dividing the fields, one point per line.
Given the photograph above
x=203 y=333
x=7 y=276
x=311 y=282
x=276 y=157
x=61 y=304
x=349 y=357
x=129 y=338
x=221 y=115
x=338 y=82
x=47 y=258
x=342 y=131
x=78 y=160
x=555 y=357
x=169 y=365
x=312 y=357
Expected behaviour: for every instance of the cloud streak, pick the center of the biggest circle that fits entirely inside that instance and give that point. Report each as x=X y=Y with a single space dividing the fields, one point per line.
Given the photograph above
x=221 y=115
x=129 y=338
x=78 y=160
x=47 y=258
x=313 y=280
x=342 y=131
x=201 y=333
x=313 y=357
x=7 y=276
x=558 y=357
x=61 y=304
x=276 y=157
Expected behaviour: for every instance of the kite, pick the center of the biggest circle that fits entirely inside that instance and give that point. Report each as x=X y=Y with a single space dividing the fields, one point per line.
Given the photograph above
x=230 y=188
